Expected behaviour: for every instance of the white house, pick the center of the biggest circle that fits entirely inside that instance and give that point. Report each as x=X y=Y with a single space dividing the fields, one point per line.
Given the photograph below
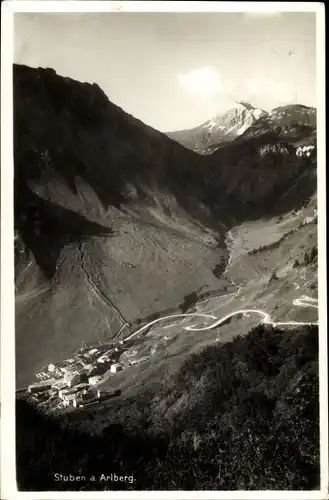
x=69 y=398
x=103 y=359
x=94 y=380
x=116 y=368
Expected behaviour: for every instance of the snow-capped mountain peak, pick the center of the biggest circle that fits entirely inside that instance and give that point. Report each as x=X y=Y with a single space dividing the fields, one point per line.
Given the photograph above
x=234 y=121
x=258 y=113
x=222 y=127
x=242 y=104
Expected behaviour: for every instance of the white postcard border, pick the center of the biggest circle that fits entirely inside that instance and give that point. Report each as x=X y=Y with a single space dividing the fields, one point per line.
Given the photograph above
x=8 y=472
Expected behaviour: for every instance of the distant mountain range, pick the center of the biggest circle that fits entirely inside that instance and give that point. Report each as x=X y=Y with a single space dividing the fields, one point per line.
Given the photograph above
x=243 y=119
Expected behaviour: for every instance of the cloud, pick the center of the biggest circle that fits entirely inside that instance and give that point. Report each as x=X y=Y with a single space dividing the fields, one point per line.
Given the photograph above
x=202 y=81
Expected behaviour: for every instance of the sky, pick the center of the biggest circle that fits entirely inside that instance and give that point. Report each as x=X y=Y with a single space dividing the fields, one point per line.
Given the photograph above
x=176 y=70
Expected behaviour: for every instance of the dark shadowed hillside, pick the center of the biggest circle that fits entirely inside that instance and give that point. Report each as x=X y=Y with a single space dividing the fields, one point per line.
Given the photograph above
x=69 y=131
x=262 y=175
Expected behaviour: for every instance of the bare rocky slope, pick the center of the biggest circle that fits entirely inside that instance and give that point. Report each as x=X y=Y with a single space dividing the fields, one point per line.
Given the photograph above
x=115 y=221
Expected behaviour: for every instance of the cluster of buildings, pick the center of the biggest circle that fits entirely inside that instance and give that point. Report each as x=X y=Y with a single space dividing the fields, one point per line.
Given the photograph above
x=279 y=148
x=55 y=397
x=73 y=381
x=273 y=148
x=304 y=150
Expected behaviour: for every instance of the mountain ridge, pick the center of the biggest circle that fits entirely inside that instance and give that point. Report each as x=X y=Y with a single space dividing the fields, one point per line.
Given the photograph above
x=236 y=121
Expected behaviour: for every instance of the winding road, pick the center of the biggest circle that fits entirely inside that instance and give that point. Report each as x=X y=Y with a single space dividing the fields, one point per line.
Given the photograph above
x=306 y=302
x=145 y=327
x=266 y=318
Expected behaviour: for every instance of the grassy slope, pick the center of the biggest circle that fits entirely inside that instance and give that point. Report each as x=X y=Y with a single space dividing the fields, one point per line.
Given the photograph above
x=252 y=274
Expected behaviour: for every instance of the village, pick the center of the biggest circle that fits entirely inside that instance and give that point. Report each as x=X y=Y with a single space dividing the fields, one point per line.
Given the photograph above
x=74 y=381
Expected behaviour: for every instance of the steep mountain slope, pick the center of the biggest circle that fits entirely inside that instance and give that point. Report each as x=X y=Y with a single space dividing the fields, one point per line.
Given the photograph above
x=105 y=228
x=115 y=221
x=221 y=128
